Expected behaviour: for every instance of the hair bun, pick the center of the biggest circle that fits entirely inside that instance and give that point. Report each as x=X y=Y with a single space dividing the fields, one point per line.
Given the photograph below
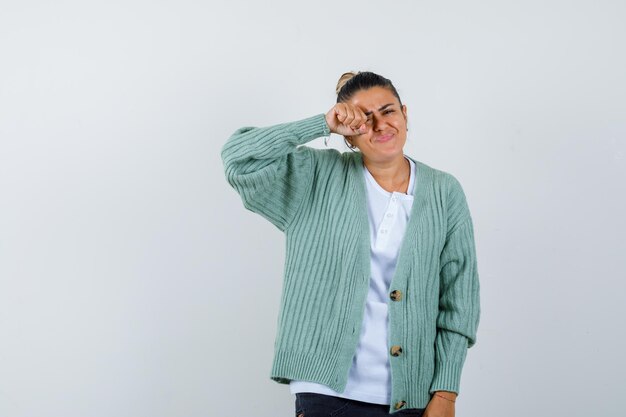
x=345 y=77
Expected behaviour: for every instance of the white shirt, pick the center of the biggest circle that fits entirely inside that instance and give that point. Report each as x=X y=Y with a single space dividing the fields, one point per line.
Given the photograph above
x=369 y=379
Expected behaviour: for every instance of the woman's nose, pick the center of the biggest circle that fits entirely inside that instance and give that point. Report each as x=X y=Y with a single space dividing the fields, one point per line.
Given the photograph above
x=378 y=123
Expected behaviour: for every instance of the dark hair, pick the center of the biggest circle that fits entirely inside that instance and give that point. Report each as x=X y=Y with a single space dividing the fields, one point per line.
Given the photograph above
x=351 y=82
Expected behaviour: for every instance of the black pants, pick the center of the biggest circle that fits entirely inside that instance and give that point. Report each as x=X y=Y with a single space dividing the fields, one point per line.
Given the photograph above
x=309 y=404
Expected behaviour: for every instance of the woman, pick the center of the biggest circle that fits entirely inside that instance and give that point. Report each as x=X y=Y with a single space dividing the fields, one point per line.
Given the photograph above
x=380 y=297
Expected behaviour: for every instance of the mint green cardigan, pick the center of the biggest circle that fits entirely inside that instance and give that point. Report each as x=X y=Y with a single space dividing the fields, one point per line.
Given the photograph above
x=317 y=198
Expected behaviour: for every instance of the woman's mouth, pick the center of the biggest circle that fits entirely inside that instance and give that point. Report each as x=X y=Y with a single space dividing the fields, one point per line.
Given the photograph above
x=384 y=138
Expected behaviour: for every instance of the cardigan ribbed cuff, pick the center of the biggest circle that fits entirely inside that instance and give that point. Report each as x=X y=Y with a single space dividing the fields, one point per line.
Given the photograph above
x=447 y=377
x=310 y=128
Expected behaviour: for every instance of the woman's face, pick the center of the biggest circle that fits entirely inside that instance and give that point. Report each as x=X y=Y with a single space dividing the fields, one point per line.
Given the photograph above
x=386 y=122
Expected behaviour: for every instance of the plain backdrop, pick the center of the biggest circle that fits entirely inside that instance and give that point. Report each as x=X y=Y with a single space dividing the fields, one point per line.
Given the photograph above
x=133 y=283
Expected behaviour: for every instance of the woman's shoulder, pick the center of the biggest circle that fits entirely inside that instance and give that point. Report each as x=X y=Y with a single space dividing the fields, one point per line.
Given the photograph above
x=438 y=176
x=444 y=183
x=448 y=190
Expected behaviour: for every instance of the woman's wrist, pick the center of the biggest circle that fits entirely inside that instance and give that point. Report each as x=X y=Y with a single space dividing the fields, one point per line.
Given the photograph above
x=446 y=395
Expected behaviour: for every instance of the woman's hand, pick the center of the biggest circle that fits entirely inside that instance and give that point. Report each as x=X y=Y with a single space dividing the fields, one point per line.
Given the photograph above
x=346 y=119
x=441 y=407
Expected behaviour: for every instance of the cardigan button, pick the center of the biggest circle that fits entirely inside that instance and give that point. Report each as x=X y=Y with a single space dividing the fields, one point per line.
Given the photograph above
x=396 y=350
x=396 y=295
x=400 y=404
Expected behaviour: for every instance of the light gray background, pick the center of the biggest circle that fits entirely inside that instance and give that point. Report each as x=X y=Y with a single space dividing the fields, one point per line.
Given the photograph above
x=134 y=283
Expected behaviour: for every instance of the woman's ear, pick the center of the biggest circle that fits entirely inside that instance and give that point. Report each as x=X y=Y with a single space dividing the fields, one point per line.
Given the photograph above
x=406 y=119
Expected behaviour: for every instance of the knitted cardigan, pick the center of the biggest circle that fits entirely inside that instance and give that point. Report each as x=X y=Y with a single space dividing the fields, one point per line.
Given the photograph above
x=318 y=199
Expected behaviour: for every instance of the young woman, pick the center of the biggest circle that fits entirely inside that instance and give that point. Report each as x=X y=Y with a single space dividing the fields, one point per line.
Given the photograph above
x=380 y=296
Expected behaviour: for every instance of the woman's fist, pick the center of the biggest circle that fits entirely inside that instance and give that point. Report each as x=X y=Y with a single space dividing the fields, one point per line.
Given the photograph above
x=346 y=119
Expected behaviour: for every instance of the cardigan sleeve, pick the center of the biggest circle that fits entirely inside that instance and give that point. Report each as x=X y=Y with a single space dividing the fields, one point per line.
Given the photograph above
x=269 y=170
x=459 y=304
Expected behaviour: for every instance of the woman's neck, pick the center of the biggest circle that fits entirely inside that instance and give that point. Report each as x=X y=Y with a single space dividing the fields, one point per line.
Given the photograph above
x=391 y=175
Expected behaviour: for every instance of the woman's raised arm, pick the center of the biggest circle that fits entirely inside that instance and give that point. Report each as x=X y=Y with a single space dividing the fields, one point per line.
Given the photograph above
x=269 y=170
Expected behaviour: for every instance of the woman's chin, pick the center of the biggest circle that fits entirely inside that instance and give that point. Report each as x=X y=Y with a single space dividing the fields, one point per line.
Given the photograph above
x=387 y=155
